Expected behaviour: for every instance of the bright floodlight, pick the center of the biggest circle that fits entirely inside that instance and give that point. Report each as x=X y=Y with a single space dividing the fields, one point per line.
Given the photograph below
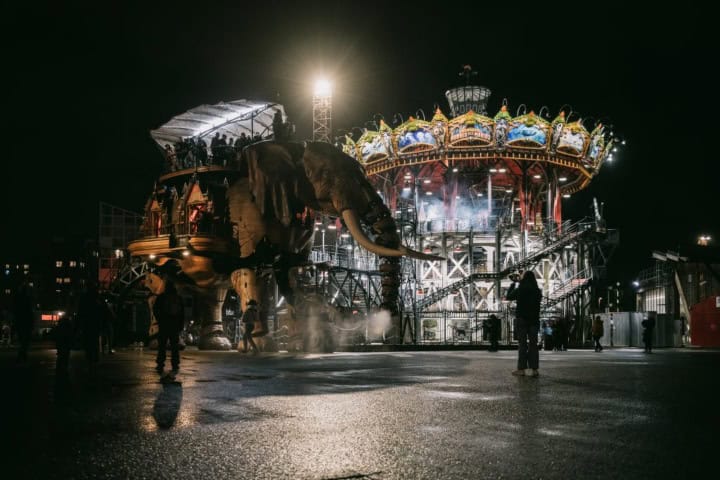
x=323 y=88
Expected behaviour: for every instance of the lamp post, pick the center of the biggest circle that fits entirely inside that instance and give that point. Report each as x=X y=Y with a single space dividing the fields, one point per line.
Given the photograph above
x=322 y=111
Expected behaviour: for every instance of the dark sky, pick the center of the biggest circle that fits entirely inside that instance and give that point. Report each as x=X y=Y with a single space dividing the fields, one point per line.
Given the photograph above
x=87 y=84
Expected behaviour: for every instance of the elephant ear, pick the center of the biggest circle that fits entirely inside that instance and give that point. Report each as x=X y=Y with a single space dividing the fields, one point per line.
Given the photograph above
x=274 y=173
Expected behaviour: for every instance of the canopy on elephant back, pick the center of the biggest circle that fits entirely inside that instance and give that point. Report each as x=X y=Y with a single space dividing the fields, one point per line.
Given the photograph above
x=229 y=118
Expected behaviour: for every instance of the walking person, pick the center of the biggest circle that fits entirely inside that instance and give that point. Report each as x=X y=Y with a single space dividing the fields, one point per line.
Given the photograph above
x=23 y=313
x=169 y=311
x=91 y=313
x=598 y=329
x=527 y=316
x=249 y=318
x=649 y=329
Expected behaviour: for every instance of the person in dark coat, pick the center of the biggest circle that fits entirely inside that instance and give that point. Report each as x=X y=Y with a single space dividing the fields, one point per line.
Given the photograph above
x=250 y=316
x=528 y=297
x=23 y=312
x=598 y=329
x=648 y=332
x=169 y=311
x=63 y=334
x=91 y=316
x=494 y=330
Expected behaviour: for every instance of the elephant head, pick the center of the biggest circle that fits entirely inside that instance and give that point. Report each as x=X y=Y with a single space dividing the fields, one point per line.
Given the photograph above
x=281 y=181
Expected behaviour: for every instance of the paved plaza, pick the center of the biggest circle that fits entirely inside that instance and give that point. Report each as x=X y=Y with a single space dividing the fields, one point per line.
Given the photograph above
x=372 y=415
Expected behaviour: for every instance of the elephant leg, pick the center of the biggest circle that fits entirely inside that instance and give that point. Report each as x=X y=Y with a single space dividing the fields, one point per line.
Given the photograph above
x=208 y=308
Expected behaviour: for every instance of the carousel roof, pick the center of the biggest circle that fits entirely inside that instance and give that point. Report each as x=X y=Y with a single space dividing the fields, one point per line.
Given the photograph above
x=229 y=118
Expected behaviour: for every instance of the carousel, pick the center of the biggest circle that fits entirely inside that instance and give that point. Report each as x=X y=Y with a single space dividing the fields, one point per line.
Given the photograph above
x=486 y=193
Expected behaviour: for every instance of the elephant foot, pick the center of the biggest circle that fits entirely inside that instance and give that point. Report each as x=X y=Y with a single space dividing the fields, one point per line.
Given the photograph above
x=214 y=341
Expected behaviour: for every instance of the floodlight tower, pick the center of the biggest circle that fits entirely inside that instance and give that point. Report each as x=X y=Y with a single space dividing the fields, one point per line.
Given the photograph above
x=322 y=111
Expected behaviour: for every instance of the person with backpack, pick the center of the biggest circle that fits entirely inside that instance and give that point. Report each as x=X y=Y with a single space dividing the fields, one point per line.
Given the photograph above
x=169 y=311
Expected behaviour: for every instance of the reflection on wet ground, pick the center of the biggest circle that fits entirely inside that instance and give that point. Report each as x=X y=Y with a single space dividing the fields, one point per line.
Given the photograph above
x=364 y=415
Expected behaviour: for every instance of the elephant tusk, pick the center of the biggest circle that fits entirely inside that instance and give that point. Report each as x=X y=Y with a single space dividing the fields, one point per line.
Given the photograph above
x=353 y=225
x=420 y=256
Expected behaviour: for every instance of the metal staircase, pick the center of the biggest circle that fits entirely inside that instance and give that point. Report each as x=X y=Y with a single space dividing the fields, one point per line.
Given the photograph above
x=567 y=289
x=129 y=274
x=571 y=233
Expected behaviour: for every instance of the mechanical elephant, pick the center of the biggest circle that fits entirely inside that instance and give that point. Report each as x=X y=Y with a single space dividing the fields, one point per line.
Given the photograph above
x=272 y=203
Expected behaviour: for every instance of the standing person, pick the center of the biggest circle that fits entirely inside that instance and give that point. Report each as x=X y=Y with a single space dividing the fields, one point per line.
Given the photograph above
x=683 y=331
x=494 y=321
x=90 y=315
x=649 y=329
x=169 y=311
x=598 y=328
x=63 y=334
x=527 y=316
x=23 y=312
x=108 y=328
x=248 y=319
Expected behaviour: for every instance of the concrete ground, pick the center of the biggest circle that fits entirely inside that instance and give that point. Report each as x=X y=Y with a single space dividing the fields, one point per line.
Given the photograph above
x=370 y=415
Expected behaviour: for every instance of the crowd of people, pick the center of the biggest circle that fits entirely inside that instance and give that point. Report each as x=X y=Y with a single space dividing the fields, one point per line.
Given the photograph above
x=193 y=152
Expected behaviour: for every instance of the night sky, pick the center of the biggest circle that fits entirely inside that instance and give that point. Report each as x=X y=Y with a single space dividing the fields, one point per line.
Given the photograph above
x=84 y=87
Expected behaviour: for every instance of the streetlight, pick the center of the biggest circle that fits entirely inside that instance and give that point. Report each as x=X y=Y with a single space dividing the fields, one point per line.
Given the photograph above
x=322 y=110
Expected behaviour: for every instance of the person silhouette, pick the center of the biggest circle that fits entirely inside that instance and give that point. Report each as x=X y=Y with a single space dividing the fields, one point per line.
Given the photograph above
x=23 y=312
x=494 y=322
x=169 y=311
x=598 y=329
x=528 y=297
x=249 y=317
x=649 y=329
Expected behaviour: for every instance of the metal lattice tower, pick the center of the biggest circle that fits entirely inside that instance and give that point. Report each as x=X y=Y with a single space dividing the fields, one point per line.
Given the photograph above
x=322 y=117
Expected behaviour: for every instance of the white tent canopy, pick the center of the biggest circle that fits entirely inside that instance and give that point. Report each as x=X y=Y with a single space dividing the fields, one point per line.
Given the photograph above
x=231 y=119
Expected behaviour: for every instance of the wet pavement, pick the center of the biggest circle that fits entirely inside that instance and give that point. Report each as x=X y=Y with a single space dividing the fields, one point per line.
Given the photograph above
x=374 y=415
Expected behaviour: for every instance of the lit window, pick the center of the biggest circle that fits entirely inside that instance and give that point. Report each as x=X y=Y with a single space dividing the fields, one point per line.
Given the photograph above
x=7 y=291
x=73 y=263
x=58 y=264
x=58 y=280
x=26 y=267
x=82 y=264
x=66 y=280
